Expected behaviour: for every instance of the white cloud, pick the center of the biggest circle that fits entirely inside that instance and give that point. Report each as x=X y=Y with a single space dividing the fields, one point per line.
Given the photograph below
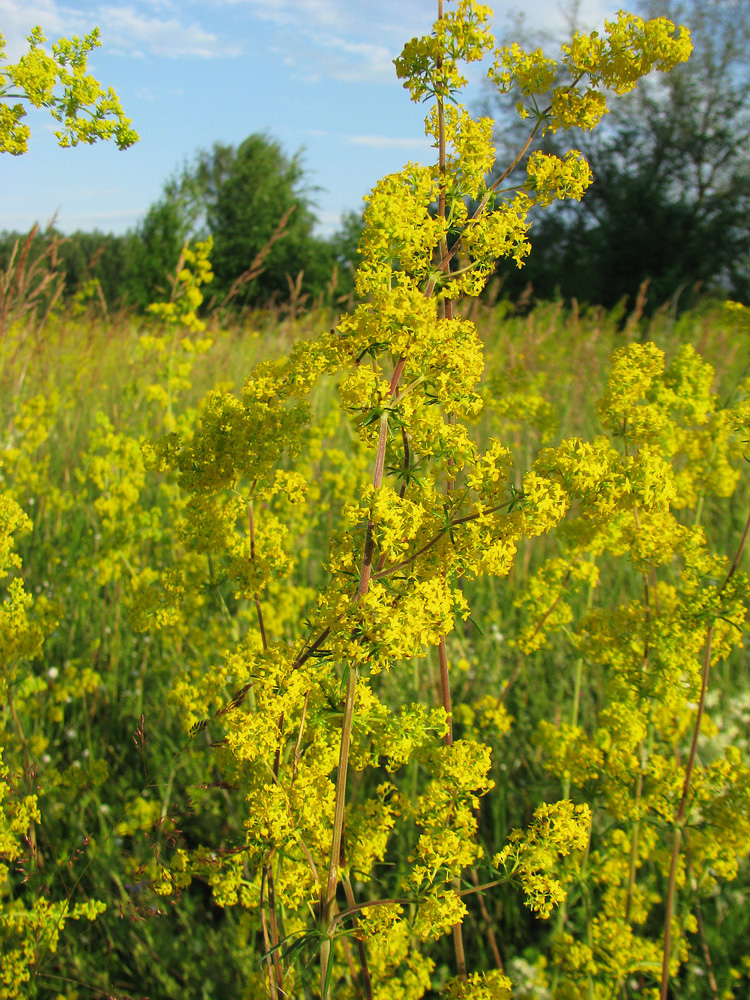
x=17 y=20
x=341 y=39
x=357 y=60
x=132 y=30
x=150 y=28
x=385 y=20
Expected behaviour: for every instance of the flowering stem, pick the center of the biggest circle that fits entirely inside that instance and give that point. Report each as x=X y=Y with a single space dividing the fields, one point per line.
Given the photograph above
x=256 y=597
x=329 y=899
x=680 y=815
x=446 y=309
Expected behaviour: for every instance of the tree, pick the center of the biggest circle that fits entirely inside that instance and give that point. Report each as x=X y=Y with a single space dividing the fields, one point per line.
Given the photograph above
x=151 y=252
x=239 y=195
x=670 y=200
x=194 y=189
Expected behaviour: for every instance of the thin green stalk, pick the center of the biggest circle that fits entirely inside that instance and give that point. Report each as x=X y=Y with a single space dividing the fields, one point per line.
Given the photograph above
x=362 y=950
x=256 y=596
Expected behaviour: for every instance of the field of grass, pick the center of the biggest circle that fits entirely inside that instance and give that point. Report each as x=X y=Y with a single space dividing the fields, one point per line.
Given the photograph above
x=118 y=672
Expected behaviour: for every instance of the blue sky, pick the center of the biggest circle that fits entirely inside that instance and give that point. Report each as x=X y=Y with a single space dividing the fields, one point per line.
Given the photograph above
x=317 y=75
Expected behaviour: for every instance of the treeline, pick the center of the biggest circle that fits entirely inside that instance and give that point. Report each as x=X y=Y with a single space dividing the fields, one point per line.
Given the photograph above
x=250 y=199
x=669 y=206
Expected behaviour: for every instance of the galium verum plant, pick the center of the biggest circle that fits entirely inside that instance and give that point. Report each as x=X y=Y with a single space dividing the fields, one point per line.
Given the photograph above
x=31 y=926
x=302 y=705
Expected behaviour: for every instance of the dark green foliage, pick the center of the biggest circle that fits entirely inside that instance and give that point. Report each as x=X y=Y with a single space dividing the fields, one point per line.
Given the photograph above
x=670 y=203
x=344 y=243
x=152 y=253
x=261 y=185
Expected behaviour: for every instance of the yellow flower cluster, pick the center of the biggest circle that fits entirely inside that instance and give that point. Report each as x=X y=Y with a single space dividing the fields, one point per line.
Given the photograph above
x=614 y=61
x=480 y=986
x=630 y=48
x=533 y=857
x=36 y=77
x=429 y=65
x=549 y=177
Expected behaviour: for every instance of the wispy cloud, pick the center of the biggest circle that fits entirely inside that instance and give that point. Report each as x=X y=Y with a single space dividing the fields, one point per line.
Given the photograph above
x=17 y=20
x=133 y=30
x=380 y=19
x=341 y=40
x=349 y=61
x=156 y=27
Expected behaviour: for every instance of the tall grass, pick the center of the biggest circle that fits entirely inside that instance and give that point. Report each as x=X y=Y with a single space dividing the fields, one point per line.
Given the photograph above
x=105 y=747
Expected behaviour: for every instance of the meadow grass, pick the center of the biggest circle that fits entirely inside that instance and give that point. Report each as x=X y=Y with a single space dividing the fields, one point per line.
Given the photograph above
x=105 y=746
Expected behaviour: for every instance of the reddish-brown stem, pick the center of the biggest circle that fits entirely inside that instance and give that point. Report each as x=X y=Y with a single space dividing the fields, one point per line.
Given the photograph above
x=312 y=648
x=329 y=898
x=487 y=923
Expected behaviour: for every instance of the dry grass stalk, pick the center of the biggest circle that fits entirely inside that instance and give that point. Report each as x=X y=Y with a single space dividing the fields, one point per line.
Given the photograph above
x=258 y=263
x=31 y=283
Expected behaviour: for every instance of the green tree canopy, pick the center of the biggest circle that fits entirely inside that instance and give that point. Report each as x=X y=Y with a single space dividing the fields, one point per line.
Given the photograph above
x=240 y=196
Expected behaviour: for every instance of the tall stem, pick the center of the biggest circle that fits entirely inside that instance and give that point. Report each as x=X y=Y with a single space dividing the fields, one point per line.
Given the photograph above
x=680 y=814
x=446 y=312
x=329 y=899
